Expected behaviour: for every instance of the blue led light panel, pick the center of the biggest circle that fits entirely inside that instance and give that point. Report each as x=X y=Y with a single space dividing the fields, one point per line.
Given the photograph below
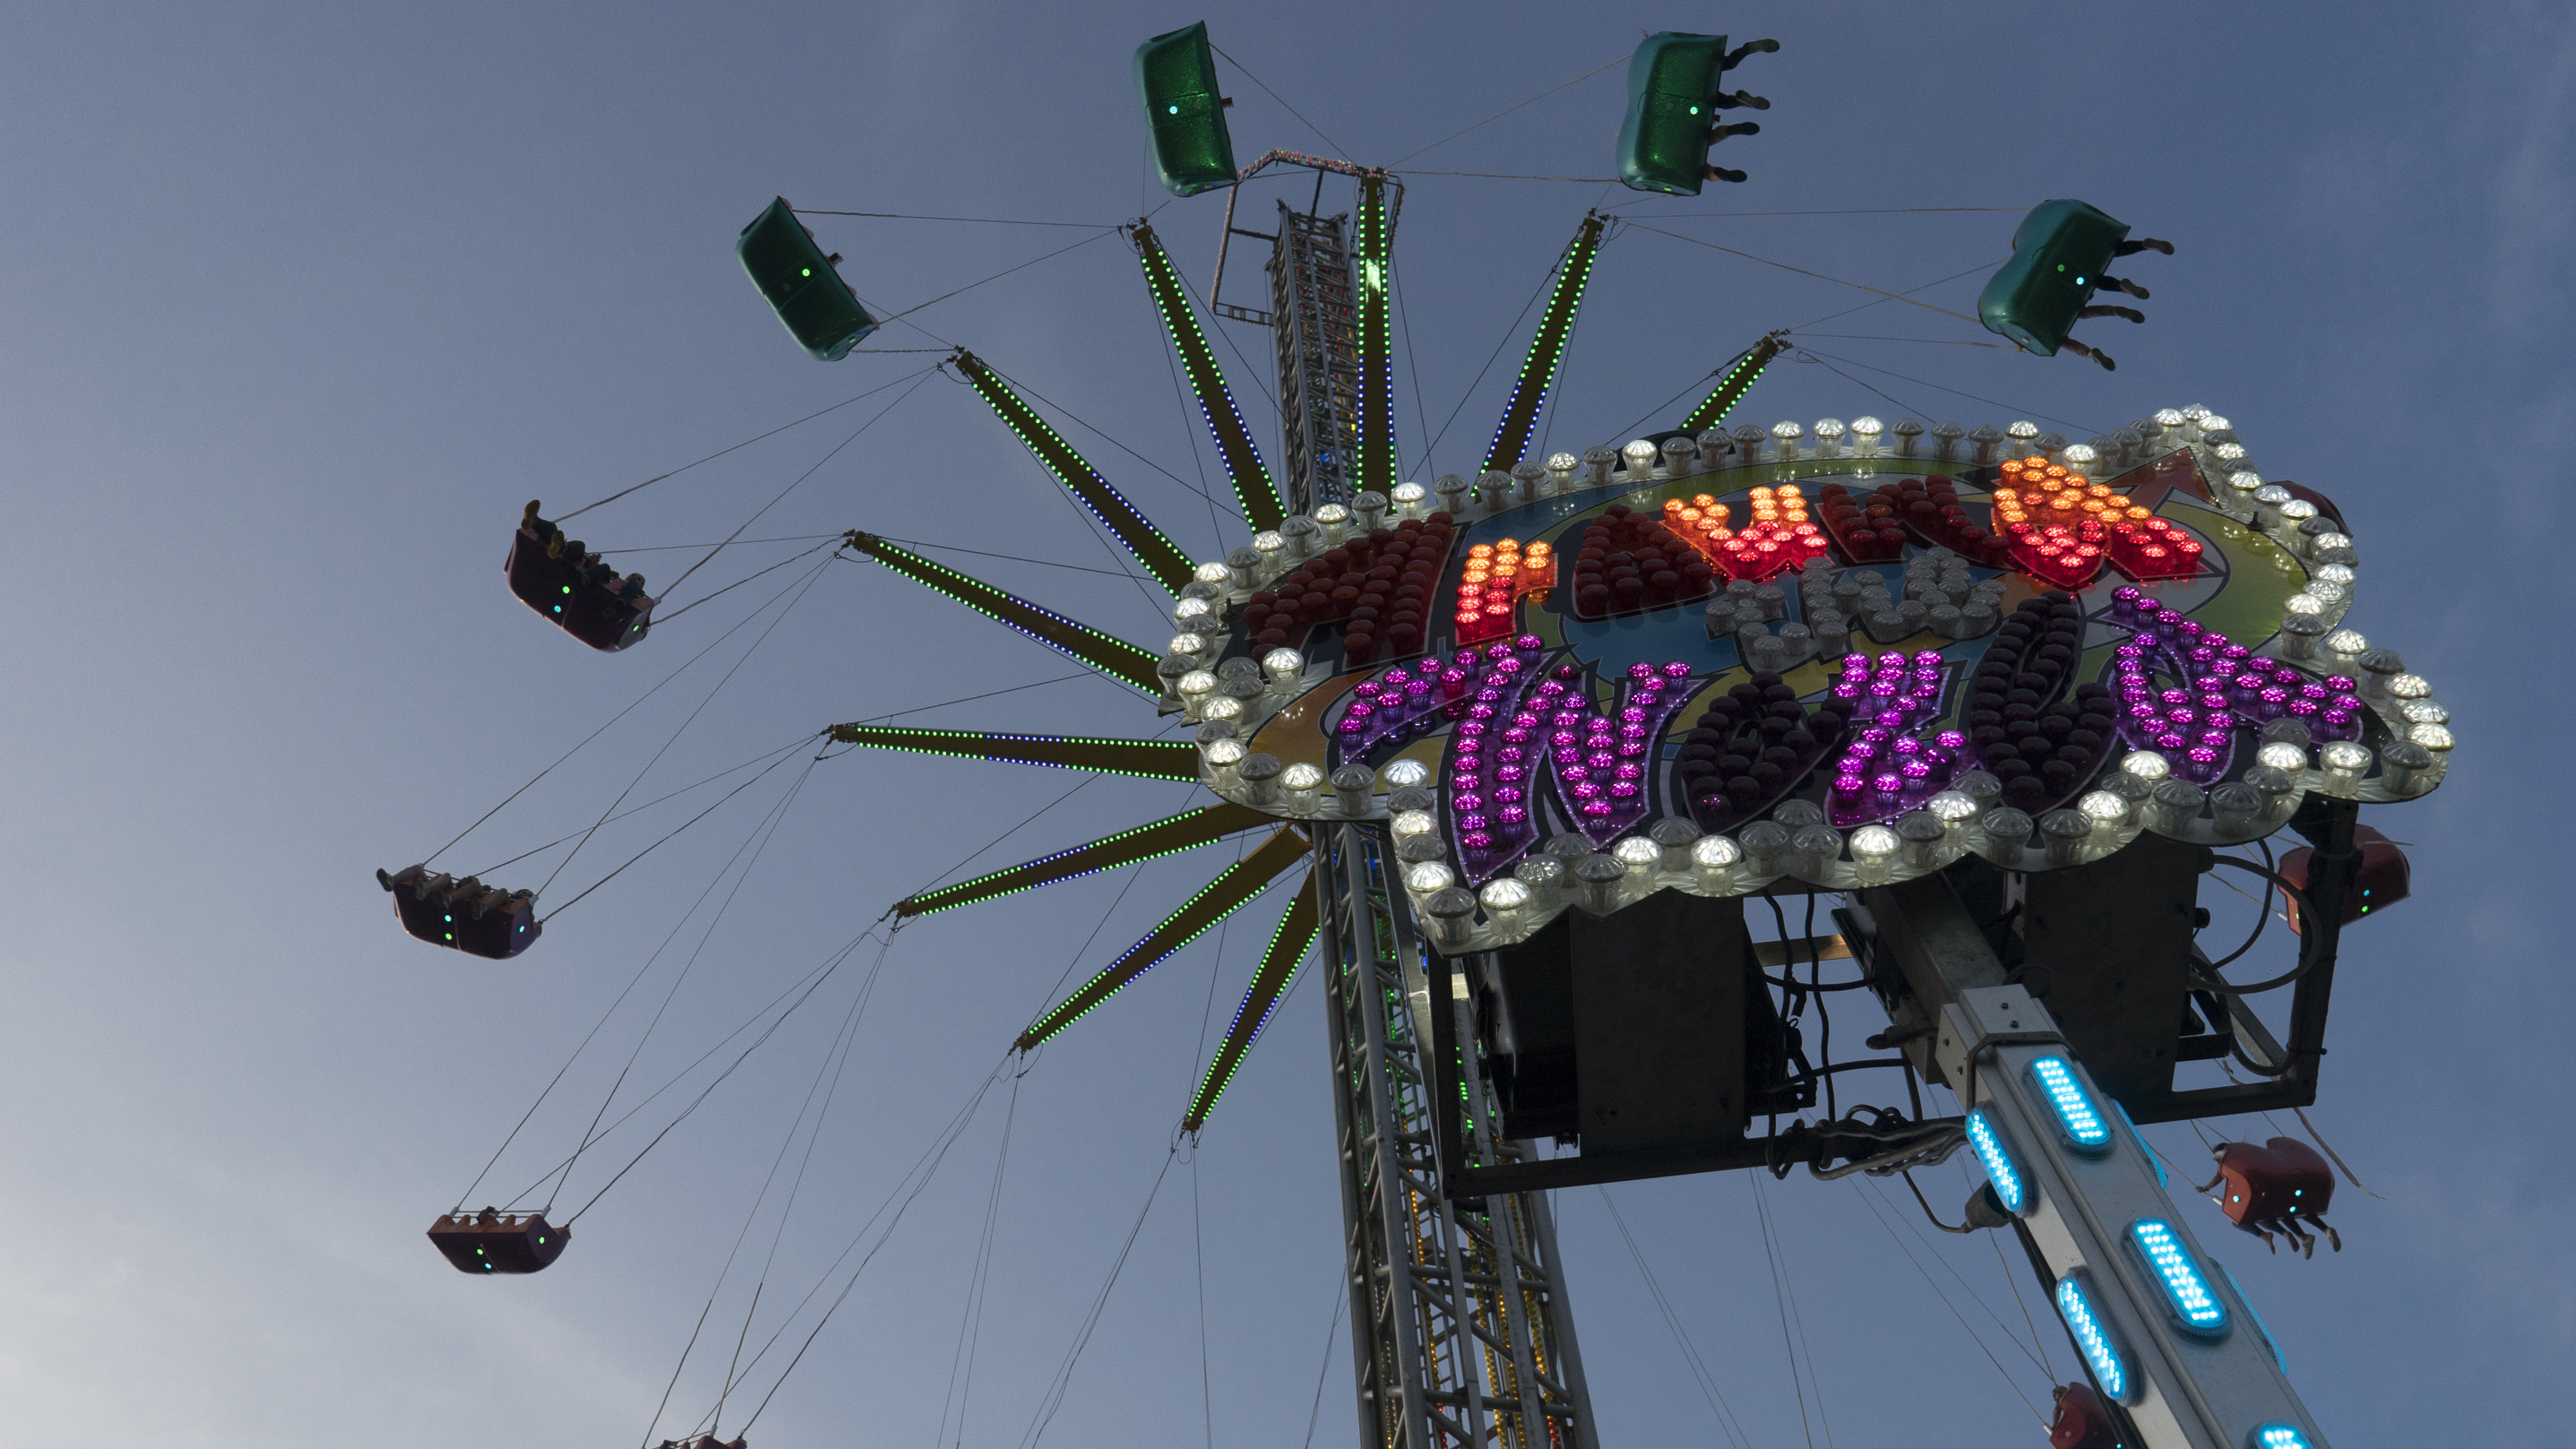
x=2093 y=1335
x=2001 y=1171
x=2187 y=1291
x=2276 y=1436
x=2078 y=1120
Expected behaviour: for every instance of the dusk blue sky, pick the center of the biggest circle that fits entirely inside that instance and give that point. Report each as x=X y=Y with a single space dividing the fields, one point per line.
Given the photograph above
x=311 y=300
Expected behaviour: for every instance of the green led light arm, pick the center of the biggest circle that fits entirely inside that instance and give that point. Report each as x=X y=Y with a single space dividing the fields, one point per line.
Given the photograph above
x=1170 y=567
x=1127 y=847
x=1279 y=964
x=1740 y=375
x=1253 y=487
x=1116 y=658
x=1152 y=759
x=1373 y=273
x=1239 y=883
x=1547 y=348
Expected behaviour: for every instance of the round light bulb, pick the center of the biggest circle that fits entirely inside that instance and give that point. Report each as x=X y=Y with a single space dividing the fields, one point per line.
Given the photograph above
x=1638 y=852
x=1714 y=850
x=1874 y=842
x=1303 y=775
x=1225 y=754
x=1505 y=894
x=2410 y=686
x=2282 y=755
x=1222 y=707
x=1424 y=877
x=1951 y=807
x=2103 y=807
x=1411 y=822
x=1406 y=774
x=1196 y=682
x=2147 y=765
x=1213 y=573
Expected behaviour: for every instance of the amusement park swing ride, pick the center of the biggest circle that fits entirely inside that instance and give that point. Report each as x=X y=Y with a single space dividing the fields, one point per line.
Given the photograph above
x=1528 y=743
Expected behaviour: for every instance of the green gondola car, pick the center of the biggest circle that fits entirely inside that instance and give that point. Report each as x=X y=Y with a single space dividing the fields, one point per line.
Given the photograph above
x=2059 y=254
x=1672 y=93
x=1176 y=82
x=1676 y=87
x=820 y=311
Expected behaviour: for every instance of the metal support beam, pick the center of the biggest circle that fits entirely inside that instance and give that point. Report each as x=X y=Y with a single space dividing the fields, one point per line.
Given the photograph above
x=1319 y=371
x=1547 y=347
x=1372 y=274
x=2088 y=1201
x=1740 y=374
x=1460 y=1332
x=1253 y=489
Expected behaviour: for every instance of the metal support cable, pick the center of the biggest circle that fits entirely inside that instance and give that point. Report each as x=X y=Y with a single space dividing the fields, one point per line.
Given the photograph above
x=745 y=443
x=1883 y=293
x=800 y=480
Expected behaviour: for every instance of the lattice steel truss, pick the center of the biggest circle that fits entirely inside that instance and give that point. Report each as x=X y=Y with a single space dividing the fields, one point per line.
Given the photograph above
x=1460 y=1330
x=1315 y=324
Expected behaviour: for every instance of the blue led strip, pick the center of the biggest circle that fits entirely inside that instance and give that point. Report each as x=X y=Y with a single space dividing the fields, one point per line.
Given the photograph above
x=1372 y=272
x=1146 y=759
x=2276 y=1436
x=1161 y=557
x=1740 y=374
x=2002 y=1173
x=2093 y=1338
x=1547 y=348
x=1288 y=946
x=2195 y=1306
x=2078 y=1120
x=1253 y=487
x=1116 y=658
x=1128 y=847
x=1239 y=883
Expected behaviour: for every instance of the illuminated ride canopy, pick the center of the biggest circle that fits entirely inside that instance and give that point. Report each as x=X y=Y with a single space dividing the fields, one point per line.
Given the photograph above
x=1706 y=663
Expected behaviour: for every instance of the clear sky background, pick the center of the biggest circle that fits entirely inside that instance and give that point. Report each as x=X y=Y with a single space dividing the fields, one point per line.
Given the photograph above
x=310 y=301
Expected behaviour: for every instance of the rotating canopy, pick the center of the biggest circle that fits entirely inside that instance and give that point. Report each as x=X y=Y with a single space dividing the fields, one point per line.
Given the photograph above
x=819 y=309
x=1176 y=82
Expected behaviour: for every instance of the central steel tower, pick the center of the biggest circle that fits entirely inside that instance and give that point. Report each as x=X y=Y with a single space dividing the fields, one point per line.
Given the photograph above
x=1461 y=1334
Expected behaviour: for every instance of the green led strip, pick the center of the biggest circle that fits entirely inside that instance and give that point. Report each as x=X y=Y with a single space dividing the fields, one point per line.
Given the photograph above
x=1745 y=371
x=1128 y=847
x=1215 y=901
x=1372 y=271
x=1148 y=759
x=1116 y=658
x=1288 y=945
x=1547 y=348
x=1253 y=487
x=1161 y=557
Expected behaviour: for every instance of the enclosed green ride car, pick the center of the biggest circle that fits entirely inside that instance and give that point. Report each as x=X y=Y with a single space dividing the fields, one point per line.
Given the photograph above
x=820 y=310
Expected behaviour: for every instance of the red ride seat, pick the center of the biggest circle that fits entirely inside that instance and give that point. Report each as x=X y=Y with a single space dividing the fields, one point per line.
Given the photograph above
x=573 y=590
x=463 y=915
x=496 y=1242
